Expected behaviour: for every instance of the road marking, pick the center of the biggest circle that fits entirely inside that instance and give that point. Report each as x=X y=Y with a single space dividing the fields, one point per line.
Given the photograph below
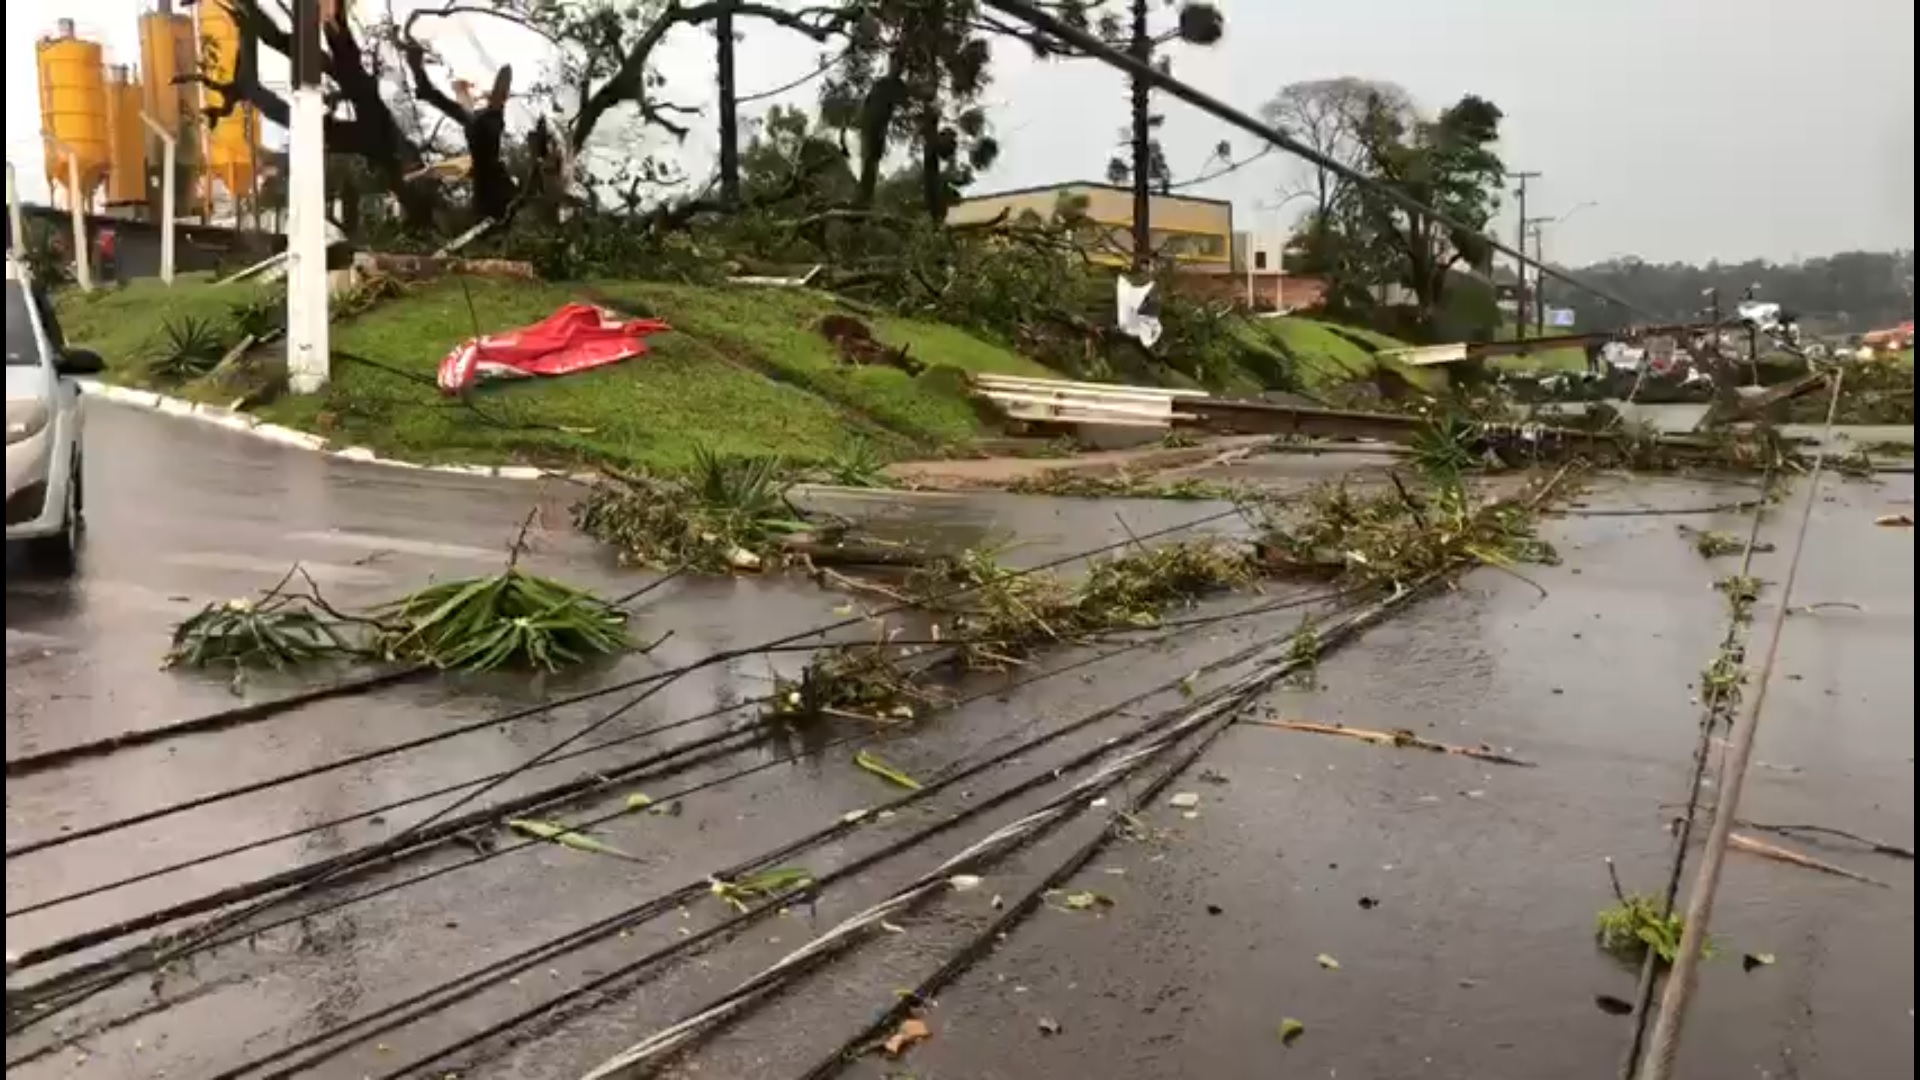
x=329 y=573
x=400 y=545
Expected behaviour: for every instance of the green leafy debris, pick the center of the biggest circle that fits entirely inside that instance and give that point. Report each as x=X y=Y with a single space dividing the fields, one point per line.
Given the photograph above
x=867 y=760
x=563 y=836
x=509 y=620
x=743 y=892
x=280 y=630
x=1629 y=928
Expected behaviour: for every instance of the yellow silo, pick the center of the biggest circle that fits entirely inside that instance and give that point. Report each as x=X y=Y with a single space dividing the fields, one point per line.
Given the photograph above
x=127 y=138
x=232 y=142
x=166 y=53
x=73 y=111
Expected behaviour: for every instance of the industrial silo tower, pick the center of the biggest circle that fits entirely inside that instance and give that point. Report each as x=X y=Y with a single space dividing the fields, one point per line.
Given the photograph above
x=73 y=114
x=233 y=140
x=127 y=140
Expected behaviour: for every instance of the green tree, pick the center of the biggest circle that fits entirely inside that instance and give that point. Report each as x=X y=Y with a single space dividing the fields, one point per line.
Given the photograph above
x=913 y=74
x=1365 y=240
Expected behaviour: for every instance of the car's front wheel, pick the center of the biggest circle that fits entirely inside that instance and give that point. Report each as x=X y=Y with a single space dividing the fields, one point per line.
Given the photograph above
x=60 y=552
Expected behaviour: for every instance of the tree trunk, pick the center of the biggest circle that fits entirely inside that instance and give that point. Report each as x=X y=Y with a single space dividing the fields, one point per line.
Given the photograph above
x=933 y=182
x=1142 y=50
x=729 y=119
x=876 y=122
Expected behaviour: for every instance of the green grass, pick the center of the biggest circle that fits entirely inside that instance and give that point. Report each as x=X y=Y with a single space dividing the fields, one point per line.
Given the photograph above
x=776 y=330
x=651 y=412
x=744 y=372
x=124 y=325
x=1321 y=357
x=1327 y=355
x=1545 y=361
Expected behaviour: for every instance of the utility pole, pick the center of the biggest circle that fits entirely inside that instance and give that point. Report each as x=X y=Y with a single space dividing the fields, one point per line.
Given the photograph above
x=308 y=356
x=729 y=118
x=1520 y=244
x=1142 y=49
x=1534 y=227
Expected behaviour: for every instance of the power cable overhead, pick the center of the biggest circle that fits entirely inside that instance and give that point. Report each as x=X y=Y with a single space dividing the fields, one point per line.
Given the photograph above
x=1097 y=49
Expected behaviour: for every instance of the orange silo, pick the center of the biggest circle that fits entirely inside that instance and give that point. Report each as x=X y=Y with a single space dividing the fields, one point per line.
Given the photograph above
x=73 y=111
x=233 y=141
x=166 y=54
x=127 y=139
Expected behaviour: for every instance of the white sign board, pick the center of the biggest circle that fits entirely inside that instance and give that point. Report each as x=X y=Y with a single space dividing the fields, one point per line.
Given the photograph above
x=1560 y=317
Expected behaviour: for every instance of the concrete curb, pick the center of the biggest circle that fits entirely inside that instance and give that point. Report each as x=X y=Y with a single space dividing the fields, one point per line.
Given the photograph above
x=248 y=424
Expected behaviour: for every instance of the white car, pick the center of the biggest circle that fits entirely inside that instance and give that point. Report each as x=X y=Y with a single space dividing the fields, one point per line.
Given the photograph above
x=43 y=427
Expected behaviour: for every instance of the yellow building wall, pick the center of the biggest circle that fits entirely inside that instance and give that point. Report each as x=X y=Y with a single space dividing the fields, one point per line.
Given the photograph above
x=1196 y=233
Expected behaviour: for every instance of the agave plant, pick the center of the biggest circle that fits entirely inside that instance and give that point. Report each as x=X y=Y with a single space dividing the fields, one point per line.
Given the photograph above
x=511 y=619
x=260 y=317
x=857 y=465
x=190 y=347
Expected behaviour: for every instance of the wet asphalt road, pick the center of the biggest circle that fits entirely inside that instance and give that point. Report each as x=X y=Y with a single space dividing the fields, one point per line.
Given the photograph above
x=1475 y=961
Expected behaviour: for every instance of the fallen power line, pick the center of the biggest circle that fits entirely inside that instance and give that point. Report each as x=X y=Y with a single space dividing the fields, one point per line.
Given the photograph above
x=434 y=793
x=465 y=986
x=313 y=880
x=1205 y=718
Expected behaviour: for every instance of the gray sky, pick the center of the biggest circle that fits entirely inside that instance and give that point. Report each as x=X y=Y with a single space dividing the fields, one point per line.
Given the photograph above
x=1699 y=128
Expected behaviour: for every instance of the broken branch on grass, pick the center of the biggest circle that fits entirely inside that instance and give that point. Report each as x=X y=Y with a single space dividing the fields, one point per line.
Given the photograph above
x=1402 y=738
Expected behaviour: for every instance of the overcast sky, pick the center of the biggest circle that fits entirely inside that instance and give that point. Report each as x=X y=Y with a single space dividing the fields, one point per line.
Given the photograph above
x=1698 y=129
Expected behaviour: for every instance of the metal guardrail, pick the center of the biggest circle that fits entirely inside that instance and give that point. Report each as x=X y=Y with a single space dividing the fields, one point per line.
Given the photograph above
x=1057 y=401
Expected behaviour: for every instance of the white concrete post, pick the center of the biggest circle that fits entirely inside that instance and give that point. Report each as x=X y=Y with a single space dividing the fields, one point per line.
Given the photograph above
x=308 y=356
x=170 y=145
x=77 y=205
x=14 y=221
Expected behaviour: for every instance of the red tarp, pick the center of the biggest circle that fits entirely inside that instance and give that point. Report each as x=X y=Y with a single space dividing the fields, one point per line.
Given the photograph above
x=574 y=338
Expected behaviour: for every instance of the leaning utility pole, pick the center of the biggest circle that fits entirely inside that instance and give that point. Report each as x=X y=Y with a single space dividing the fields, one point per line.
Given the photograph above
x=308 y=356
x=1142 y=49
x=729 y=108
x=1537 y=226
x=1520 y=265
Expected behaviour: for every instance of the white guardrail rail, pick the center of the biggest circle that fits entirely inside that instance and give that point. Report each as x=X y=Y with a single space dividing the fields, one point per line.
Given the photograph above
x=1061 y=402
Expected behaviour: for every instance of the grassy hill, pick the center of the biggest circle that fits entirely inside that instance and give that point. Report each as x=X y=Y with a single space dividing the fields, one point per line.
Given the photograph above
x=744 y=371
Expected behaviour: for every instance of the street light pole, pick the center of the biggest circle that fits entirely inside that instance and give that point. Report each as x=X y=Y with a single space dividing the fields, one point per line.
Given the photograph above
x=169 y=150
x=307 y=345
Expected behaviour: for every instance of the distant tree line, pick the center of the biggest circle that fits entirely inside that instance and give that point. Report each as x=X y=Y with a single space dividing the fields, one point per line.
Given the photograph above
x=1851 y=292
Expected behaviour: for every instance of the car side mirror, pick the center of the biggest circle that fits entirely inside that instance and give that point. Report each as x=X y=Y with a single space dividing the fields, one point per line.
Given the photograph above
x=80 y=362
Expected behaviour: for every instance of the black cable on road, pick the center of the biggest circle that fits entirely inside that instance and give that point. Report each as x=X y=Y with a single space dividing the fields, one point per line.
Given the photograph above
x=273 y=708
x=1092 y=46
x=218 y=925
x=587 y=935
x=359 y=815
x=963 y=958
x=216 y=797
x=938 y=781
x=379 y=851
x=101 y=981
x=426 y=796
x=29 y=764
